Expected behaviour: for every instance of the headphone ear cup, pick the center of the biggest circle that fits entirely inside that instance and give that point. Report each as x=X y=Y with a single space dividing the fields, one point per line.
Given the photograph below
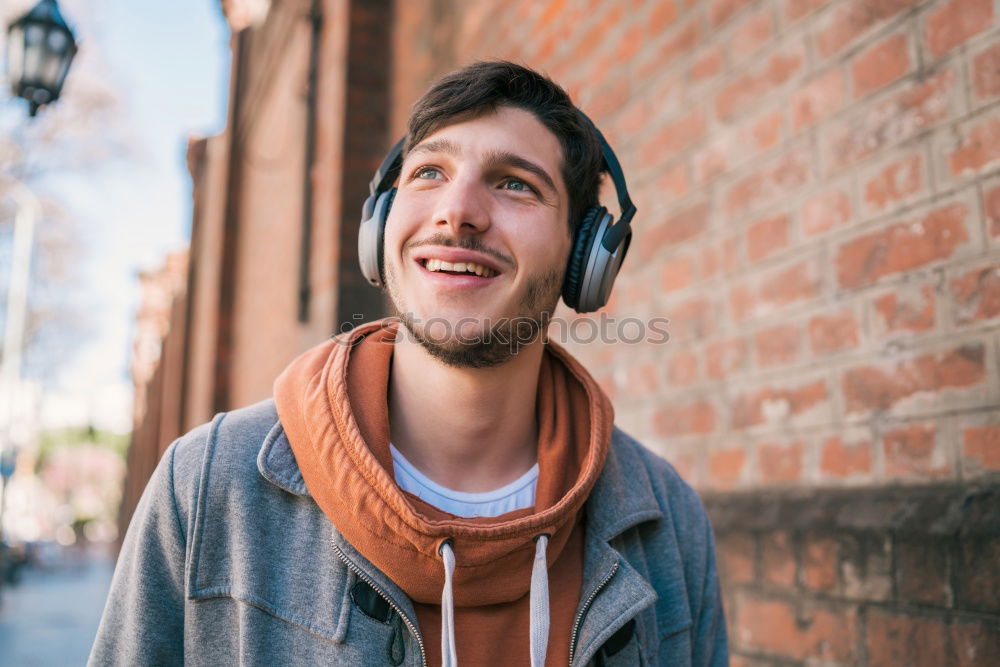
x=580 y=254
x=371 y=236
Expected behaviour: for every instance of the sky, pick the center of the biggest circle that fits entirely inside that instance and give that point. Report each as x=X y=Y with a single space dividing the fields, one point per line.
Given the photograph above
x=168 y=64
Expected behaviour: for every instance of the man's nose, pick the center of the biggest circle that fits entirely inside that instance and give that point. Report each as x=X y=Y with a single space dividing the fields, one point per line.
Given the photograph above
x=463 y=206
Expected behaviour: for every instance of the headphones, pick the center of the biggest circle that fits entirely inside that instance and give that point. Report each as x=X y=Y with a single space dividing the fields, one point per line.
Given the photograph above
x=598 y=247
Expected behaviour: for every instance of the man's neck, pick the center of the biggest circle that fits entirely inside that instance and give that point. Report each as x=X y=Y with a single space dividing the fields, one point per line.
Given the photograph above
x=468 y=429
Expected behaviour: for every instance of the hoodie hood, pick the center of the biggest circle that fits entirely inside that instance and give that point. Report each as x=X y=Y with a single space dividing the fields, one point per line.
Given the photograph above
x=332 y=402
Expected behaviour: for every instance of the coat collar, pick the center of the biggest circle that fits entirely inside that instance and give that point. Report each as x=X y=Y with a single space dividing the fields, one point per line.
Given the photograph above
x=621 y=498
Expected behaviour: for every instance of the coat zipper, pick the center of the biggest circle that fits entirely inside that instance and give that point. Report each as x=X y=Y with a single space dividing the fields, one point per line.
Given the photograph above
x=583 y=611
x=409 y=624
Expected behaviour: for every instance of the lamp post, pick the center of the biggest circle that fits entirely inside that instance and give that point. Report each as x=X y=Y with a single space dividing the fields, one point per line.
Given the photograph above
x=40 y=48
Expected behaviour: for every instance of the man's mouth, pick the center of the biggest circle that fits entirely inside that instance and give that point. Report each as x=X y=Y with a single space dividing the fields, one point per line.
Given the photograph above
x=457 y=268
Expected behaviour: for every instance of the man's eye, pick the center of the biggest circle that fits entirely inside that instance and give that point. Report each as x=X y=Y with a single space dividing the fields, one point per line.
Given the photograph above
x=516 y=185
x=427 y=173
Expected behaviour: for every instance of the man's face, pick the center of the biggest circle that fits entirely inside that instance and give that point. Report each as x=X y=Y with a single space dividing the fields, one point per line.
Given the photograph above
x=486 y=192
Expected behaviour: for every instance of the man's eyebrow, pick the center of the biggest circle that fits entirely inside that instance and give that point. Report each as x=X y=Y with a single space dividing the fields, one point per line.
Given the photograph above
x=437 y=146
x=507 y=159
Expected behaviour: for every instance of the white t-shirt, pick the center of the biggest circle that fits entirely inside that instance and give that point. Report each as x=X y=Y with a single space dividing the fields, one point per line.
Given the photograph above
x=517 y=495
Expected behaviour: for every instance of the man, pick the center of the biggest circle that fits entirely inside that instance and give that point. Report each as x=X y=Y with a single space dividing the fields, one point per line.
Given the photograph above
x=448 y=490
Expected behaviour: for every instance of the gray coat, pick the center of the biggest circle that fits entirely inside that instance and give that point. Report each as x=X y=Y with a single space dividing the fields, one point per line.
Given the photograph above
x=228 y=560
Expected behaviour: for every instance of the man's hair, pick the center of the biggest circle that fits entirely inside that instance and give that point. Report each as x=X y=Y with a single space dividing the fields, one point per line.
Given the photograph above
x=483 y=87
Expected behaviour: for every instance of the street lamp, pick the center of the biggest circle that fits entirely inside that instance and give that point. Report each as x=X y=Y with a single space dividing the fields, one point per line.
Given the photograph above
x=40 y=47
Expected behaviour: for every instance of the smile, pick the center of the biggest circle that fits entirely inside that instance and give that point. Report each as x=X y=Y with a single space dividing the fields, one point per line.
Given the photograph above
x=458 y=268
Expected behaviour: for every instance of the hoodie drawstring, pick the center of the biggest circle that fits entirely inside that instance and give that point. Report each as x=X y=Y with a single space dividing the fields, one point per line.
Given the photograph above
x=538 y=614
x=449 y=657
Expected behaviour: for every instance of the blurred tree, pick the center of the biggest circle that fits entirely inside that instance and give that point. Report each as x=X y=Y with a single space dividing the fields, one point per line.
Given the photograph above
x=84 y=130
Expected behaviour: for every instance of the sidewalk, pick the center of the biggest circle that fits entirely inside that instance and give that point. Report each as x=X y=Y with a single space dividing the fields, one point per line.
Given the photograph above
x=51 y=616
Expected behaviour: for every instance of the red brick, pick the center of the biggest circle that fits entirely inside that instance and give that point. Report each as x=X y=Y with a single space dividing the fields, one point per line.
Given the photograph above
x=895 y=182
x=766 y=237
x=977 y=294
x=662 y=17
x=818 y=99
x=982 y=445
x=674 y=182
x=694 y=418
x=642 y=379
x=820 y=561
x=777 y=345
x=609 y=97
x=677 y=274
x=707 y=65
x=694 y=319
x=673 y=138
x=789 y=284
x=897 y=639
x=834 y=332
x=921 y=571
x=912 y=450
x=749 y=409
x=854 y=17
x=725 y=467
x=880 y=65
x=628 y=45
x=634 y=117
x=976 y=641
x=881 y=387
x=776 y=626
x=954 y=22
x=769 y=184
x=736 y=554
x=637 y=292
x=748 y=89
x=742 y=302
x=610 y=20
x=686 y=465
x=709 y=162
x=898 y=116
x=677 y=45
x=906 y=311
x=980 y=147
x=825 y=211
x=796 y=9
x=838 y=459
x=778 y=559
x=765 y=131
x=986 y=72
x=991 y=209
x=902 y=246
x=978 y=581
x=720 y=11
x=683 y=368
x=779 y=464
x=681 y=226
x=756 y=31
x=607 y=383
x=723 y=257
x=725 y=357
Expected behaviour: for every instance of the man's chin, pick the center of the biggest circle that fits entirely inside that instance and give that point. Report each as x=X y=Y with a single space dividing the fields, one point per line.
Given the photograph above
x=473 y=343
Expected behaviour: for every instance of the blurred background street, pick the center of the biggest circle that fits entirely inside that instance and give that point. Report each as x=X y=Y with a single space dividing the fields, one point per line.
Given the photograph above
x=51 y=615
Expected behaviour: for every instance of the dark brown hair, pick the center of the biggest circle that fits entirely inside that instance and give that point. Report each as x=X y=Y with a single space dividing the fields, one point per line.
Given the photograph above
x=483 y=87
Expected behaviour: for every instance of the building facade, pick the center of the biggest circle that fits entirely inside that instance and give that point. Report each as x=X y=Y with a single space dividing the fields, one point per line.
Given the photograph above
x=818 y=185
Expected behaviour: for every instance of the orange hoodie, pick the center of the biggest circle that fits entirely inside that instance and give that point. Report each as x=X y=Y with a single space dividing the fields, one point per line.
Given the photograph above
x=332 y=402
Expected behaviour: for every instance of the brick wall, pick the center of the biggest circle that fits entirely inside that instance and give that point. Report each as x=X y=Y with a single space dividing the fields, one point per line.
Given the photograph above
x=818 y=185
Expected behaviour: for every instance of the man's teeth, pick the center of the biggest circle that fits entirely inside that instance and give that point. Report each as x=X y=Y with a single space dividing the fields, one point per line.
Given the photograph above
x=460 y=267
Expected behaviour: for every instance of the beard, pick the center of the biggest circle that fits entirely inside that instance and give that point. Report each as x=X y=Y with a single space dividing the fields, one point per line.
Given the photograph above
x=496 y=343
